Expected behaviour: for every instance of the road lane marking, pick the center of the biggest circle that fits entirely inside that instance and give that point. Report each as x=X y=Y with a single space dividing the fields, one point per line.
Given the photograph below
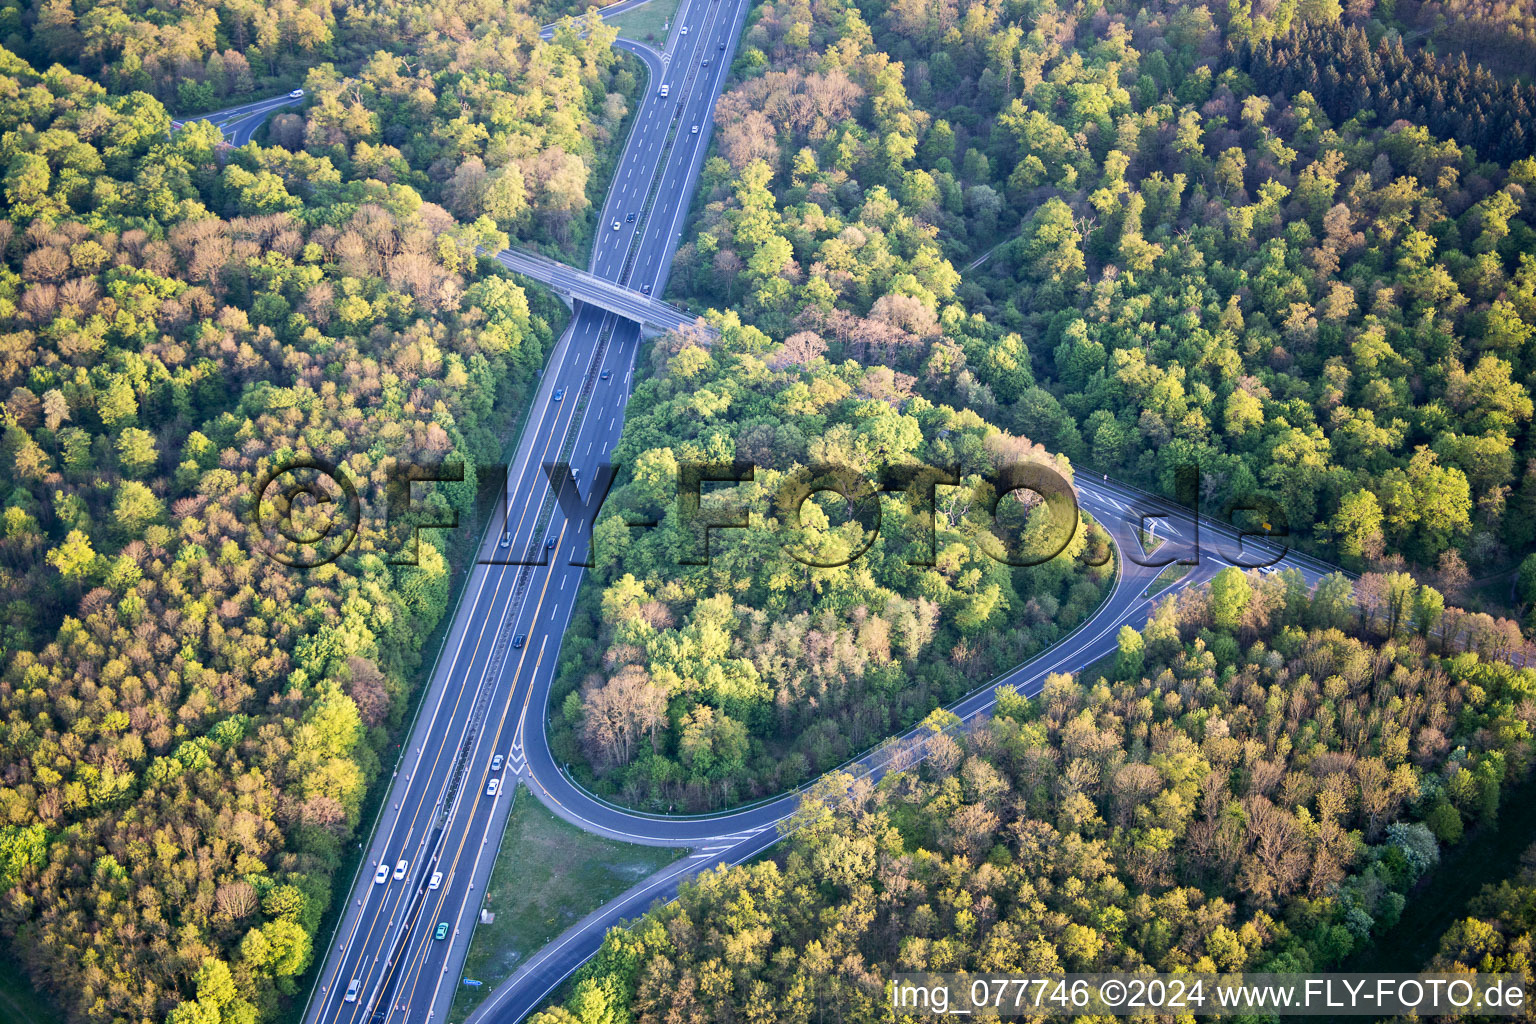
x=527 y=464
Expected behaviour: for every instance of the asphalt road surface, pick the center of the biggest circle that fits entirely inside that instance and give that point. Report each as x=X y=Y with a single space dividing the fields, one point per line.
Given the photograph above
x=443 y=818
x=736 y=837
x=629 y=303
x=486 y=693
x=239 y=124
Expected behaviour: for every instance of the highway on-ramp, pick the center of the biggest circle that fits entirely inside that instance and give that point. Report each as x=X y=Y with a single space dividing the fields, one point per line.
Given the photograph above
x=735 y=837
x=481 y=725
x=441 y=815
x=239 y=124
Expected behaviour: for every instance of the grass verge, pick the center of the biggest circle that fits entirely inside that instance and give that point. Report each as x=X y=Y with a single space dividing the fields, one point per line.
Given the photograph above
x=548 y=876
x=1167 y=578
x=647 y=22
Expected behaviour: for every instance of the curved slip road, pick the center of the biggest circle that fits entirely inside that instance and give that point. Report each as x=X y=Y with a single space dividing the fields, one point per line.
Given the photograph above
x=487 y=695
x=384 y=964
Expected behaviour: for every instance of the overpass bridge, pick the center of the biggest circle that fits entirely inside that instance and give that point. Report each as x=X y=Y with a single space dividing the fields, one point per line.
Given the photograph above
x=652 y=314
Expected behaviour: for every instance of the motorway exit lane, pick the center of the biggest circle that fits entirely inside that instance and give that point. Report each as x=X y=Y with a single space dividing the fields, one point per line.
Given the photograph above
x=386 y=942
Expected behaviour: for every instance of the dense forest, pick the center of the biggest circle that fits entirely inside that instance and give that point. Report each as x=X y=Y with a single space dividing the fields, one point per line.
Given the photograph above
x=1290 y=241
x=782 y=658
x=1350 y=78
x=1499 y=33
x=205 y=54
x=1192 y=266
x=1254 y=785
x=188 y=727
x=490 y=126
x=488 y=122
x=1178 y=247
x=697 y=688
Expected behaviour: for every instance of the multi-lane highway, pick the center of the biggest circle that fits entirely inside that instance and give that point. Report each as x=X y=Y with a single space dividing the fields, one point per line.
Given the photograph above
x=397 y=952
x=443 y=818
x=736 y=837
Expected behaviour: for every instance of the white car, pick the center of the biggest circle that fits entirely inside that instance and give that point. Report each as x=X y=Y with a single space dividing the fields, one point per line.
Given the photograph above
x=664 y=90
x=381 y=876
x=492 y=786
x=297 y=94
x=684 y=31
x=357 y=983
x=400 y=869
x=437 y=880
x=615 y=225
x=496 y=763
x=695 y=129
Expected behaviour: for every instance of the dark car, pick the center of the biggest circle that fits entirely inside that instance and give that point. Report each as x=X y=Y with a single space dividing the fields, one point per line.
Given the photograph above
x=630 y=218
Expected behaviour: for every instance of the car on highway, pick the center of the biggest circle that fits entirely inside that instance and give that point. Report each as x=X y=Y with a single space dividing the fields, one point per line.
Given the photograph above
x=519 y=640
x=664 y=90
x=645 y=289
x=506 y=541
x=706 y=62
x=297 y=94
x=695 y=129
x=606 y=374
x=558 y=395
x=400 y=869
x=492 y=786
x=684 y=31
x=549 y=544
x=496 y=763
x=615 y=225
x=437 y=880
x=357 y=983
x=382 y=875
x=442 y=931
x=722 y=46
x=630 y=218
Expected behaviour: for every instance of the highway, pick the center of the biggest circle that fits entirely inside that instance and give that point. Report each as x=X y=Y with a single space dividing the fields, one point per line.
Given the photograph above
x=486 y=698
x=736 y=837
